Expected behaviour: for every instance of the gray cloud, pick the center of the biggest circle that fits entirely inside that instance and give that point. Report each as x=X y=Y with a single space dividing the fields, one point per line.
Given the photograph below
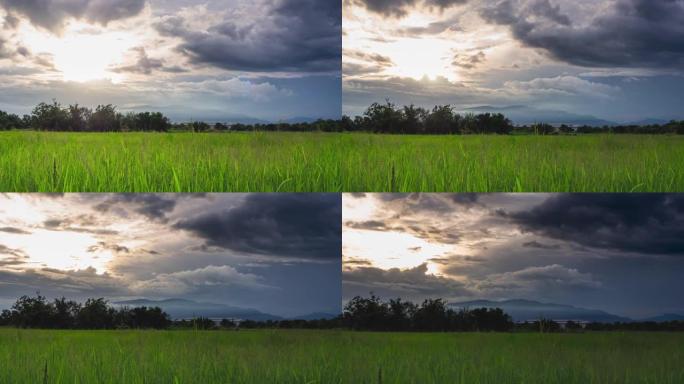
x=291 y=36
x=641 y=223
x=536 y=279
x=53 y=14
x=413 y=283
x=290 y=225
x=400 y=8
x=13 y=230
x=153 y=206
x=631 y=33
x=146 y=65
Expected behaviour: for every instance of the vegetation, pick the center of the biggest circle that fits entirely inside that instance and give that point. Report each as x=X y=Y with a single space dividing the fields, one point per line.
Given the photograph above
x=307 y=162
x=38 y=312
x=378 y=118
x=293 y=356
x=433 y=315
x=443 y=120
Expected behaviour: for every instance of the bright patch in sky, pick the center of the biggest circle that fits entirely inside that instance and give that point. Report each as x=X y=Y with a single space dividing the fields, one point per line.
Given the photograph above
x=83 y=55
x=391 y=249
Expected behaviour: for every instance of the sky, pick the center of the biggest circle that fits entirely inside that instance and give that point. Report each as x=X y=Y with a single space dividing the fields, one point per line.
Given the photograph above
x=212 y=60
x=277 y=253
x=614 y=60
x=619 y=253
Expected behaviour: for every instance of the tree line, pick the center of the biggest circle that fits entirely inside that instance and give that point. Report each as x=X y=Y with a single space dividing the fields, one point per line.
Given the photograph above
x=444 y=120
x=360 y=314
x=386 y=118
x=38 y=312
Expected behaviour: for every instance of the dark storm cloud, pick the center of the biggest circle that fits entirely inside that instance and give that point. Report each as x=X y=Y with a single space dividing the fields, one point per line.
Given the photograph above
x=53 y=14
x=632 y=33
x=289 y=225
x=641 y=223
x=400 y=8
x=292 y=36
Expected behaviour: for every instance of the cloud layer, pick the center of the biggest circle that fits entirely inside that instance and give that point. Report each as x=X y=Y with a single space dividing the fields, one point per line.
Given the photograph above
x=252 y=251
x=579 y=249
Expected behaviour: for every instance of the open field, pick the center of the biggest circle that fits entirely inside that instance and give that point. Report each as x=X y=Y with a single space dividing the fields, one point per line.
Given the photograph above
x=337 y=357
x=319 y=162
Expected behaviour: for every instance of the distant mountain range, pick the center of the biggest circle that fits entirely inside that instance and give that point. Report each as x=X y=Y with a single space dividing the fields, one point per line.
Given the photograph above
x=185 y=309
x=528 y=310
x=524 y=115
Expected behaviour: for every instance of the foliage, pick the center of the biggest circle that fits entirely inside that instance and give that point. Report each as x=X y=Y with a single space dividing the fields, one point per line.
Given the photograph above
x=385 y=118
x=38 y=312
x=433 y=315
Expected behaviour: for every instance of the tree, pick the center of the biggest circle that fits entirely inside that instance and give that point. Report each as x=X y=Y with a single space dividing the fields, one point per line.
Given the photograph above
x=32 y=312
x=96 y=314
x=50 y=117
x=65 y=313
x=105 y=119
x=10 y=121
x=366 y=314
x=382 y=118
x=78 y=118
x=441 y=120
x=432 y=316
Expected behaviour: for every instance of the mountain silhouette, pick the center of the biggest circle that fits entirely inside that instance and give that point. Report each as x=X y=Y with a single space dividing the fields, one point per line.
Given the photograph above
x=185 y=309
x=528 y=310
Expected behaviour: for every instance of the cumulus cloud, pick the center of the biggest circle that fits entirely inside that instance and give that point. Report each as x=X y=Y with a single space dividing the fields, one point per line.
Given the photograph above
x=640 y=223
x=52 y=15
x=535 y=280
x=562 y=85
x=184 y=282
x=151 y=205
x=147 y=65
x=630 y=33
x=289 y=36
x=287 y=225
x=413 y=283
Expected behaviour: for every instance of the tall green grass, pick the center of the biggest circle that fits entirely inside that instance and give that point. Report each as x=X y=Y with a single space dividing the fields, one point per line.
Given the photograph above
x=318 y=162
x=35 y=356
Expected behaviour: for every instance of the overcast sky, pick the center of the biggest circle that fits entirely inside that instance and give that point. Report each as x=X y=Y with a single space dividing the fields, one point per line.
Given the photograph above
x=619 y=253
x=619 y=60
x=210 y=59
x=278 y=253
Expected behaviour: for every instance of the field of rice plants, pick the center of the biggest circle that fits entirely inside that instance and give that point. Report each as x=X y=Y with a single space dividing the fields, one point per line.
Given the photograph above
x=282 y=356
x=327 y=162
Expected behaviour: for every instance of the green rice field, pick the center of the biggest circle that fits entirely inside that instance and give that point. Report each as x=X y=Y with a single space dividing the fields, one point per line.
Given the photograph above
x=282 y=356
x=328 y=162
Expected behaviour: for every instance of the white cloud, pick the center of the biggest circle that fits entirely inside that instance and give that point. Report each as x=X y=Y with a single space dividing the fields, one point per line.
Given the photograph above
x=187 y=281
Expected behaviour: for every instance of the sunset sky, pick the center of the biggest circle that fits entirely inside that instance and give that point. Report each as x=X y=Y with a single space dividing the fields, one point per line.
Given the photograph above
x=617 y=60
x=619 y=253
x=264 y=59
x=242 y=250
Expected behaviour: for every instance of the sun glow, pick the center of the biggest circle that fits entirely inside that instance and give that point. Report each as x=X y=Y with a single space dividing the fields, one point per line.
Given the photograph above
x=421 y=58
x=60 y=250
x=391 y=249
x=82 y=54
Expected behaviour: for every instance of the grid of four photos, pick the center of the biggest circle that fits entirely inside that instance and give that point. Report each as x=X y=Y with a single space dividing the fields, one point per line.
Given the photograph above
x=354 y=191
